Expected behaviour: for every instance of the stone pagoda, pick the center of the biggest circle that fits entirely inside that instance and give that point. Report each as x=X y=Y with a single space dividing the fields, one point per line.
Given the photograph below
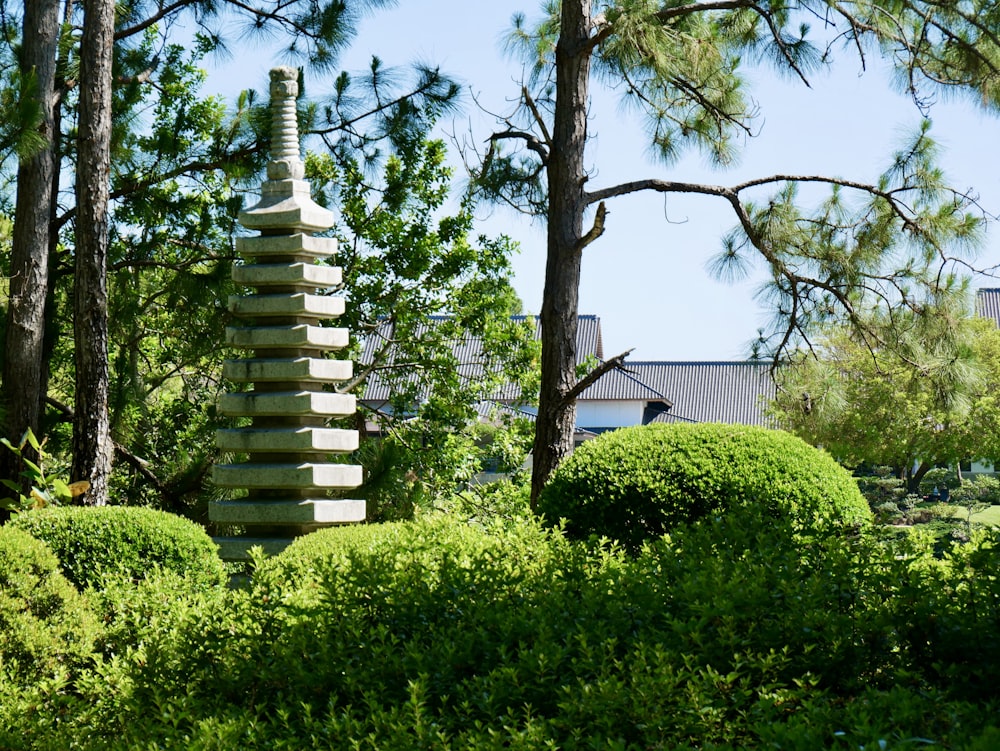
x=286 y=448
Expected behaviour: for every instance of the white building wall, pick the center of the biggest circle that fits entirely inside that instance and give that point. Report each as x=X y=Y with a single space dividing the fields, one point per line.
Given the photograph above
x=608 y=414
x=983 y=467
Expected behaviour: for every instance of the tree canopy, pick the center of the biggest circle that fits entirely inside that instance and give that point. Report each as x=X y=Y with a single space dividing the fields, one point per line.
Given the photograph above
x=853 y=255
x=879 y=407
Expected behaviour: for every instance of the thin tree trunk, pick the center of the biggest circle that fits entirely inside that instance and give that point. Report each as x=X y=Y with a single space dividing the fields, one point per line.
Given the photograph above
x=567 y=201
x=23 y=385
x=92 y=447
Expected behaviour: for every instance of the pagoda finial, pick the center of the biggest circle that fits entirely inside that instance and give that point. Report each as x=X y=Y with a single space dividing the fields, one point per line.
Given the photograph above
x=286 y=161
x=285 y=204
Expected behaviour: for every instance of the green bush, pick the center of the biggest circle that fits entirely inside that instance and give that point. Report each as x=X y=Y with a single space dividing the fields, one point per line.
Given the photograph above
x=436 y=635
x=501 y=502
x=46 y=626
x=93 y=544
x=978 y=490
x=884 y=493
x=635 y=484
x=408 y=553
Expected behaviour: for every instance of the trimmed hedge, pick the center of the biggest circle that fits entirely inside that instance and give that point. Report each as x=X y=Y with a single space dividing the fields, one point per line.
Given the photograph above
x=635 y=484
x=433 y=635
x=46 y=626
x=409 y=555
x=93 y=543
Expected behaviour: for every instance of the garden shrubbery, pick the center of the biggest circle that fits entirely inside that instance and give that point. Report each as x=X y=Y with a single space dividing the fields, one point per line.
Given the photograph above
x=440 y=635
x=46 y=626
x=449 y=632
x=94 y=544
x=635 y=484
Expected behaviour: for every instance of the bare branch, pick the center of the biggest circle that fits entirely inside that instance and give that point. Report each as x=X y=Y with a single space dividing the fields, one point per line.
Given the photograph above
x=530 y=140
x=152 y=20
x=592 y=377
x=596 y=230
x=666 y=14
x=535 y=113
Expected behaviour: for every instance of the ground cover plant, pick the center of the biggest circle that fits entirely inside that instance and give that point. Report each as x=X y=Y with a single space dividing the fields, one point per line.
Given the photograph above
x=445 y=635
x=47 y=627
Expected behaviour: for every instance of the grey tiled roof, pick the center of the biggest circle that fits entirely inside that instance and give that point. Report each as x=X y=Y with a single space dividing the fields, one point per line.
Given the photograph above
x=729 y=392
x=469 y=352
x=988 y=304
x=623 y=384
x=588 y=335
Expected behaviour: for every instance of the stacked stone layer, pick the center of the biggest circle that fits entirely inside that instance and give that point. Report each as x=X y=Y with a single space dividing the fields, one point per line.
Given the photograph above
x=288 y=473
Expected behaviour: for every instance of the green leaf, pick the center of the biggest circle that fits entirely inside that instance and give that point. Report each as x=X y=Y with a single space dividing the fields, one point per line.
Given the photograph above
x=60 y=489
x=29 y=436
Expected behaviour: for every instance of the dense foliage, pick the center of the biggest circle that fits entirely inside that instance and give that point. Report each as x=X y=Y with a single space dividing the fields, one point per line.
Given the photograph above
x=184 y=164
x=95 y=544
x=435 y=634
x=934 y=404
x=46 y=624
x=421 y=287
x=635 y=484
x=853 y=251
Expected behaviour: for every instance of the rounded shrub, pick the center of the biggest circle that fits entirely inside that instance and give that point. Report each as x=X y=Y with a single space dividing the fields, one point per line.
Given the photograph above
x=410 y=549
x=46 y=623
x=637 y=483
x=93 y=543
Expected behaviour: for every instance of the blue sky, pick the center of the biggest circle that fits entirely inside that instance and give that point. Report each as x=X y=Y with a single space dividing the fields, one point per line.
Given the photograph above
x=646 y=277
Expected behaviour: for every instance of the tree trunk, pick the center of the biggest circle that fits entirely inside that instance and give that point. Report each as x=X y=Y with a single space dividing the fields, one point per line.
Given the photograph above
x=567 y=202
x=23 y=371
x=914 y=477
x=92 y=448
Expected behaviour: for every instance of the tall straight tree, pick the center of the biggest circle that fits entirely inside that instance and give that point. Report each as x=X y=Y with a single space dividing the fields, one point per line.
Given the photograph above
x=23 y=376
x=678 y=63
x=92 y=450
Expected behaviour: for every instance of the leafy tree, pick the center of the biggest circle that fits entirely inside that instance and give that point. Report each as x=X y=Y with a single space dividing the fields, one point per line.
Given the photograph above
x=873 y=406
x=420 y=290
x=866 y=248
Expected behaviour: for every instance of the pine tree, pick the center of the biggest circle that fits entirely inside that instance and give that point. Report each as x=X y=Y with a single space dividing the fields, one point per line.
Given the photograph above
x=680 y=64
x=23 y=382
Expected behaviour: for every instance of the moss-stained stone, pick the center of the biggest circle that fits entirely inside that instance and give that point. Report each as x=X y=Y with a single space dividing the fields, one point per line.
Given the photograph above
x=288 y=446
x=296 y=244
x=287 y=274
x=319 y=511
x=286 y=476
x=256 y=440
x=272 y=404
x=288 y=337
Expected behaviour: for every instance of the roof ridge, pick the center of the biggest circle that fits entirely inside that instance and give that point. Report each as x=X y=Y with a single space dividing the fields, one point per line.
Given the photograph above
x=695 y=362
